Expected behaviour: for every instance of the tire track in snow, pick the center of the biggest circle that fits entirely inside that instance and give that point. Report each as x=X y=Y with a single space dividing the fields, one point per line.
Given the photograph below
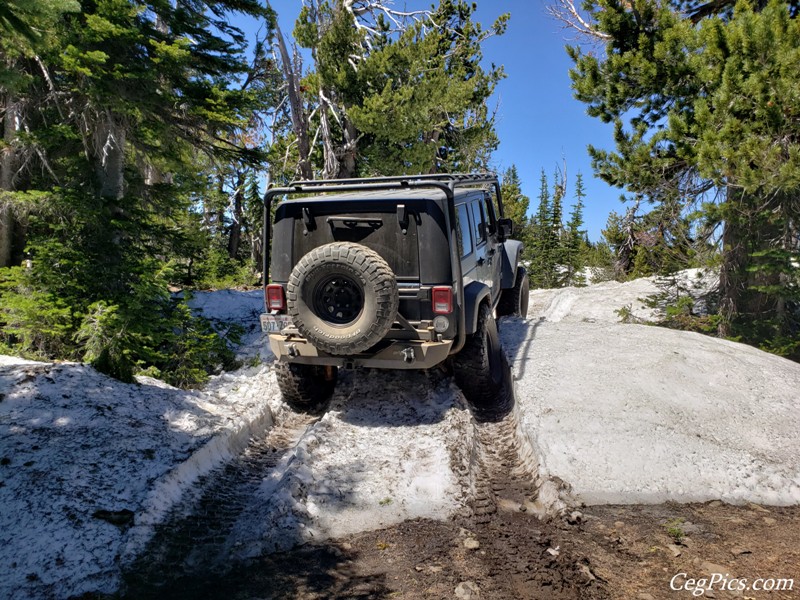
x=188 y=542
x=391 y=447
x=507 y=473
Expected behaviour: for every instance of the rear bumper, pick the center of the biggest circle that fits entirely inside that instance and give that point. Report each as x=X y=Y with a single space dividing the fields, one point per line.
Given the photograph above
x=399 y=354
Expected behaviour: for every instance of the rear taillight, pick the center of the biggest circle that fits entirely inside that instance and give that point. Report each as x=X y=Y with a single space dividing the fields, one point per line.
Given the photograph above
x=276 y=298
x=442 y=300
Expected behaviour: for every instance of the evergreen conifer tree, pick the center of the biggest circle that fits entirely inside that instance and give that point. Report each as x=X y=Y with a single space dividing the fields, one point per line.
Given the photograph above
x=575 y=240
x=700 y=104
x=131 y=100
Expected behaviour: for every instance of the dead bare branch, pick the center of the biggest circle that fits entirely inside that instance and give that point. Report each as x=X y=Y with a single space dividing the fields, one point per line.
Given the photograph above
x=400 y=19
x=566 y=12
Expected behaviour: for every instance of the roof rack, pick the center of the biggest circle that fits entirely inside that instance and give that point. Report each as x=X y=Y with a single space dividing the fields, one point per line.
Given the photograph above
x=453 y=179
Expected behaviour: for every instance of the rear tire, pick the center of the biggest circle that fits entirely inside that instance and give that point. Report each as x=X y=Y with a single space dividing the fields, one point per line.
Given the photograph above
x=514 y=301
x=306 y=388
x=481 y=371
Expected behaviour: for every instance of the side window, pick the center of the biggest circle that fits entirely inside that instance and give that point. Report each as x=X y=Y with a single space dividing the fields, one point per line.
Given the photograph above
x=490 y=211
x=464 y=230
x=479 y=223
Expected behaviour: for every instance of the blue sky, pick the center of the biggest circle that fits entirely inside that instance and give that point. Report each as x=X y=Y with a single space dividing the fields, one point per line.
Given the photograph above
x=539 y=123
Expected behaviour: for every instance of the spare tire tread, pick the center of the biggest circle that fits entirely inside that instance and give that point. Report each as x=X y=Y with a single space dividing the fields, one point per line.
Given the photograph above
x=378 y=275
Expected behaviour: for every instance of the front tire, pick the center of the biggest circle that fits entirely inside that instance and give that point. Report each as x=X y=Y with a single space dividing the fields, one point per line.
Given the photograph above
x=306 y=388
x=514 y=301
x=481 y=371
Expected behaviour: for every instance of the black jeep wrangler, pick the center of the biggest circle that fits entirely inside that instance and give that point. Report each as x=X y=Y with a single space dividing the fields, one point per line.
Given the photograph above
x=390 y=273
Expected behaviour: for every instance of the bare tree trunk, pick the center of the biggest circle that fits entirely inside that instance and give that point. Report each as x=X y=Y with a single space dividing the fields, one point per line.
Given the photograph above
x=347 y=164
x=733 y=278
x=330 y=169
x=731 y=282
x=748 y=286
x=787 y=241
x=110 y=156
x=625 y=253
x=235 y=235
x=7 y=161
x=256 y=250
x=296 y=109
x=434 y=138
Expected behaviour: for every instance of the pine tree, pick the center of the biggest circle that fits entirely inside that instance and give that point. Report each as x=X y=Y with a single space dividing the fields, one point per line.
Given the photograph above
x=540 y=258
x=28 y=29
x=515 y=206
x=574 y=246
x=556 y=229
x=700 y=106
x=387 y=93
x=515 y=203
x=133 y=101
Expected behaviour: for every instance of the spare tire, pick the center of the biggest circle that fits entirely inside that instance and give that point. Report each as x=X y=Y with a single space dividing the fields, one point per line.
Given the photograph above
x=342 y=297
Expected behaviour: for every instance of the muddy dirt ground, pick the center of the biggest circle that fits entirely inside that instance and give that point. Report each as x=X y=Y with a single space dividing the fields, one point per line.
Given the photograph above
x=605 y=552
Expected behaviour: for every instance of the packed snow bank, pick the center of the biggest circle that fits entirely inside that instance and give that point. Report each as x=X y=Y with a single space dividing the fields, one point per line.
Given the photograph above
x=87 y=464
x=634 y=413
x=234 y=308
x=601 y=302
x=393 y=446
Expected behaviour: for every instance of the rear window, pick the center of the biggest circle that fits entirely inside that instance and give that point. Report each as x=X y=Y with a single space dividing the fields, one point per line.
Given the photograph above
x=301 y=226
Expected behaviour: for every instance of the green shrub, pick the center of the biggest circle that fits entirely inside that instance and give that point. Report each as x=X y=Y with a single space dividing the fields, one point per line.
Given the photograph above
x=35 y=323
x=140 y=330
x=195 y=350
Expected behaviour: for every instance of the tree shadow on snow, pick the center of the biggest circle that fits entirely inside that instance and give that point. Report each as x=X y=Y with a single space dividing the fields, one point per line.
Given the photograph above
x=91 y=446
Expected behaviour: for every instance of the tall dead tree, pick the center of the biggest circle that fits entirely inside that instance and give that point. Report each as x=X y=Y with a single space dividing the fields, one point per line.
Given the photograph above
x=292 y=68
x=334 y=132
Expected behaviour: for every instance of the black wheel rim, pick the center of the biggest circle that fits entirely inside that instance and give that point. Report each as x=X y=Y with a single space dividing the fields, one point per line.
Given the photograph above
x=338 y=300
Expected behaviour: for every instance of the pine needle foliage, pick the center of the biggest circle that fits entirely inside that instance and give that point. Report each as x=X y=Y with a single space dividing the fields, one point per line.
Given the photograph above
x=705 y=127
x=115 y=111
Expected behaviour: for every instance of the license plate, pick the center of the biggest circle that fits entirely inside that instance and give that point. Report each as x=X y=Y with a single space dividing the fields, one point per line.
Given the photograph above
x=275 y=323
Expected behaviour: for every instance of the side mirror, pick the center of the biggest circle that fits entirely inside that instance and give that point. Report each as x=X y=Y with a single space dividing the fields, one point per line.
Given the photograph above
x=505 y=228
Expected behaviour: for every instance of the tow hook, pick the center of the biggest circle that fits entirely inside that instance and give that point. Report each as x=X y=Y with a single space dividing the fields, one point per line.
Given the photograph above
x=293 y=351
x=408 y=355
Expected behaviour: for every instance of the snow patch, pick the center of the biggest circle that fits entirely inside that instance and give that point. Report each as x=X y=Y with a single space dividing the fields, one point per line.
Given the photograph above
x=389 y=449
x=240 y=308
x=638 y=414
x=88 y=465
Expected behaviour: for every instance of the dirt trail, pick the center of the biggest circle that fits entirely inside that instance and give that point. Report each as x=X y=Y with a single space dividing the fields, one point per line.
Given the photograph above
x=217 y=526
x=500 y=549
x=499 y=543
x=504 y=525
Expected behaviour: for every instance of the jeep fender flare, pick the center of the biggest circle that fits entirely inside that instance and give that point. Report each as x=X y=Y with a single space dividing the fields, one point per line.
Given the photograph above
x=510 y=254
x=474 y=293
